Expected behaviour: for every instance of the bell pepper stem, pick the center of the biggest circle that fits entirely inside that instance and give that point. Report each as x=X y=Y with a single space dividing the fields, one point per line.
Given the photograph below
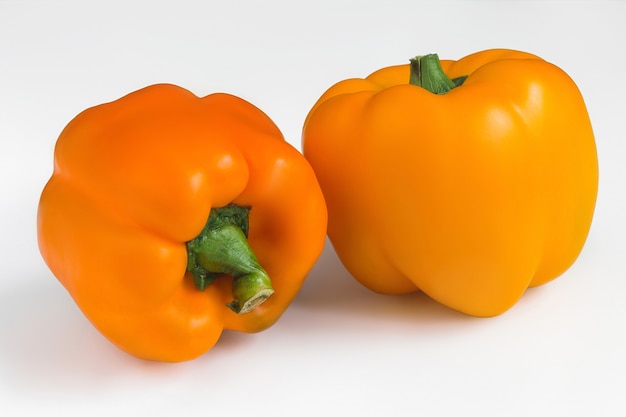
x=426 y=72
x=222 y=249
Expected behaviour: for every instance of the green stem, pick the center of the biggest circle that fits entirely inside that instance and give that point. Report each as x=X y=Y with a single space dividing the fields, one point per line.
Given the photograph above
x=222 y=249
x=426 y=72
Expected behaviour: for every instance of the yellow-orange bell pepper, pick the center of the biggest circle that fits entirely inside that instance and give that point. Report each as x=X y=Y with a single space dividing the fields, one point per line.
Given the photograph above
x=163 y=207
x=469 y=180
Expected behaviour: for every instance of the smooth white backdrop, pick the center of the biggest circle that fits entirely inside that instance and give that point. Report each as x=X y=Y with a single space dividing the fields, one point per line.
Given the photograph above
x=340 y=349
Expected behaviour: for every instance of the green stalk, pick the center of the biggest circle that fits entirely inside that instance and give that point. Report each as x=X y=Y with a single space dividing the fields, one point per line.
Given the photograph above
x=426 y=72
x=222 y=249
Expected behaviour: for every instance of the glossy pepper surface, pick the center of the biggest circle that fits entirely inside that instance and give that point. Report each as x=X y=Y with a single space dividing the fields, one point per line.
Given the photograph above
x=164 y=208
x=470 y=180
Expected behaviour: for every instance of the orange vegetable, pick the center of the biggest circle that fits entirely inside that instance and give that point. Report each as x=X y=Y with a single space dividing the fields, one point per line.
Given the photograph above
x=121 y=223
x=469 y=180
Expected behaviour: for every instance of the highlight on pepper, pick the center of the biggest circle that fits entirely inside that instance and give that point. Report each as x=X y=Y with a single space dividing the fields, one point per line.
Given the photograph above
x=170 y=218
x=469 y=180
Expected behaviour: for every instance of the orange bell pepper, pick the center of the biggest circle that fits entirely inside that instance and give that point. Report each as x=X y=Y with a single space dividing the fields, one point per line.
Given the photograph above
x=164 y=207
x=469 y=180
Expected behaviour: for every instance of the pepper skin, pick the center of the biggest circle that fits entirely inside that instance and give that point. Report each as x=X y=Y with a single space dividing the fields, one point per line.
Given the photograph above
x=470 y=195
x=134 y=183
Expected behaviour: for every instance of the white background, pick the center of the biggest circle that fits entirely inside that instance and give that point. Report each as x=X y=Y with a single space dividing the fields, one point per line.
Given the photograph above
x=339 y=350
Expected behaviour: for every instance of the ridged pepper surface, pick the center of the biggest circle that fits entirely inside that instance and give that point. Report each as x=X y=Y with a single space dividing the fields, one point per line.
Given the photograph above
x=164 y=208
x=470 y=180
